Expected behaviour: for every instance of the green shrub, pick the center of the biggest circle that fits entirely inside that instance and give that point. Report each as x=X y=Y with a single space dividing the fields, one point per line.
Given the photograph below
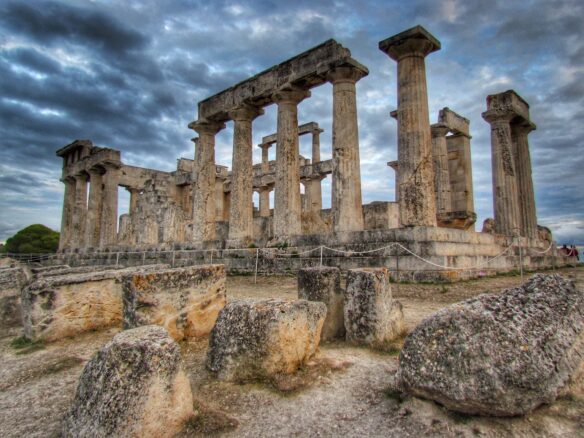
x=33 y=239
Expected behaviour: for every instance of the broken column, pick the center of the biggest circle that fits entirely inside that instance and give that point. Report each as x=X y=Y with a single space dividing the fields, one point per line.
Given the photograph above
x=372 y=317
x=323 y=284
x=204 y=181
x=287 y=206
x=527 y=214
x=94 y=208
x=241 y=209
x=67 y=216
x=417 y=203
x=109 y=212
x=441 y=175
x=347 y=209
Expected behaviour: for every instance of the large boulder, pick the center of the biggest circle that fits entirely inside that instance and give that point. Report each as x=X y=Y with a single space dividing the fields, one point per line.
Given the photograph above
x=499 y=355
x=185 y=301
x=133 y=387
x=13 y=277
x=372 y=317
x=258 y=339
x=324 y=284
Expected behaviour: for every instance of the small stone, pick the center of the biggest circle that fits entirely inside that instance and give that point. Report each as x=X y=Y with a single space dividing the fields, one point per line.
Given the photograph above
x=134 y=386
x=258 y=339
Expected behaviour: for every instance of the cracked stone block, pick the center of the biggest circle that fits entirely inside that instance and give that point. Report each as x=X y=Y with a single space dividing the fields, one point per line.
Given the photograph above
x=324 y=284
x=185 y=301
x=259 y=339
x=372 y=317
x=134 y=386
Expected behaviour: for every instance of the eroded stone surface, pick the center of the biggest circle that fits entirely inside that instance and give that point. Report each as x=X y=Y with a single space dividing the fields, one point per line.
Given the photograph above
x=499 y=355
x=185 y=301
x=371 y=316
x=324 y=284
x=134 y=386
x=256 y=339
x=13 y=277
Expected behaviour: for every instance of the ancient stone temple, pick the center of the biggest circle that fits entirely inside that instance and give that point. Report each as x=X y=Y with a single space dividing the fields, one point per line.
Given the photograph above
x=206 y=206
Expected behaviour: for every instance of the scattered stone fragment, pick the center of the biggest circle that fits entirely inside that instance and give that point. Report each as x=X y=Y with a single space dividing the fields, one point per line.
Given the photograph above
x=185 y=301
x=133 y=387
x=372 y=317
x=258 y=339
x=500 y=355
x=324 y=284
x=13 y=277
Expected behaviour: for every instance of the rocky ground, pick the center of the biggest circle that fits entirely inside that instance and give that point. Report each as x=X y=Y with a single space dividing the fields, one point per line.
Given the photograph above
x=344 y=391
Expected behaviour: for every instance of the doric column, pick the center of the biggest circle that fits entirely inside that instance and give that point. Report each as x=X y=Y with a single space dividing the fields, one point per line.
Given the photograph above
x=80 y=211
x=316 y=145
x=265 y=157
x=395 y=166
x=93 y=223
x=417 y=203
x=460 y=172
x=441 y=174
x=315 y=188
x=347 y=208
x=313 y=193
x=134 y=193
x=505 y=198
x=67 y=216
x=241 y=210
x=204 y=181
x=527 y=214
x=264 y=201
x=287 y=207
x=109 y=211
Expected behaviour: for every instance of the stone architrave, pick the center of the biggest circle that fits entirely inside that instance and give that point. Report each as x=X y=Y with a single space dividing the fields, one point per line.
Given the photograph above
x=417 y=203
x=67 y=216
x=527 y=214
x=324 y=284
x=109 y=212
x=80 y=211
x=441 y=173
x=134 y=386
x=94 y=208
x=347 y=208
x=287 y=205
x=204 y=214
x=505 y=198
x=241 y=209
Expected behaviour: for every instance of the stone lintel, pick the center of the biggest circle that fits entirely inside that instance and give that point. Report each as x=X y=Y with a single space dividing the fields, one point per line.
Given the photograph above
x=77 y=144
x=417 y=39
x=439 y=130
x=100 y=157
x=454 y=121
x=508 y=101
x=306 y=128
x=306 y=70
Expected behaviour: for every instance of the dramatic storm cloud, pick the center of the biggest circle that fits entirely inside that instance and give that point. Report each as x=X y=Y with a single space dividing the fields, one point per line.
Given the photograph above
x=128 y=75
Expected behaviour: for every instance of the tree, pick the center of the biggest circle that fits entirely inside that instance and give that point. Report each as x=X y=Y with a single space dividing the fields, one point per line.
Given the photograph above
x=33 y=239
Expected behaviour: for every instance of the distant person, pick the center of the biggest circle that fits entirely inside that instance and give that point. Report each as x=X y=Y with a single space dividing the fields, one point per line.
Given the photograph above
x=565 y=250
x=574 y=252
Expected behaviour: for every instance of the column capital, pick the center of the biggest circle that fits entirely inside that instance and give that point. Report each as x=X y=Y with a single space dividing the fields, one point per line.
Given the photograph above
x=96 y=171
x=526 y=127
x=82 y=176
x=292 y=95
x=346 y=74
x=204 y=126
x=497 y=116
x=245 y=112
x=439 y=130
x=416 y=41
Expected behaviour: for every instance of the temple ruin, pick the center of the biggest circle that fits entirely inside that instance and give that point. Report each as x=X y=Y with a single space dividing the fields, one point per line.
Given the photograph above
x=204 y=206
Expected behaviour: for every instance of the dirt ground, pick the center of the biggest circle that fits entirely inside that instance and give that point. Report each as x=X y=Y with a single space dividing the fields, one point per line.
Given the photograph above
x=344 y=391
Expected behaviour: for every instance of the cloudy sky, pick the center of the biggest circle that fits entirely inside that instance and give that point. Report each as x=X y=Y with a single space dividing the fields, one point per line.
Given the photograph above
x=128 y=75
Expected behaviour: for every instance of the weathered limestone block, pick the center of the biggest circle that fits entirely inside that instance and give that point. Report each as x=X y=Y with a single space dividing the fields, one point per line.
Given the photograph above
x=12 y=279
x=66 y=305
x=372 y=317
x=185 y=301
x=324 y=284
x=500 y=355
x=133 y=387
x=256 y=339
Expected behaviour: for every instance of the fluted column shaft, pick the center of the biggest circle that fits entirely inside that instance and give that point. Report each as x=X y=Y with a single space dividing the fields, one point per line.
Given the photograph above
x=527 y=213
x=109 y=211
x=505 y=199
x=441 y=173
x=287 y=204
x=347 y=207
x=241 y=209
x=67 y=215
x=93 y=224
x=80 y=211
x=204 y=181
